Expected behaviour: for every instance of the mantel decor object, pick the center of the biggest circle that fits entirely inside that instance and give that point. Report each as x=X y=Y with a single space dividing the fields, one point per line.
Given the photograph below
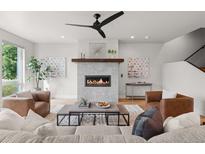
x=84 y=103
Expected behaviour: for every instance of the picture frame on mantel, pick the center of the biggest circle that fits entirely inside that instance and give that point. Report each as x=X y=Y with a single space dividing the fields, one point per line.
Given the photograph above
x=97 y=50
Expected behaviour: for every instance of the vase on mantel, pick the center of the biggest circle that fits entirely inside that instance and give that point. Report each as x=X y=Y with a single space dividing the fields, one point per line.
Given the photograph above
x=112 y=53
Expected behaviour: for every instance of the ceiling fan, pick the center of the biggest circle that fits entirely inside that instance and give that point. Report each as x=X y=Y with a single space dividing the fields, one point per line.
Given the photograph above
x=98 y=25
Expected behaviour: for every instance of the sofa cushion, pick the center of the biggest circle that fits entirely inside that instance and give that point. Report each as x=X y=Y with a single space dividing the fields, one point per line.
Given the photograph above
x=10 y=120
x=188 y=135
x=134 y=139
x=40 y=104
x=33 y=121
x=42 y=108
x=183 y=121
x=97 y=130
x=148 y=124
x=61 y=130
x=111 y=139
x=62 y=139
x=48 y=129
x=17 y=136
x=126 y=130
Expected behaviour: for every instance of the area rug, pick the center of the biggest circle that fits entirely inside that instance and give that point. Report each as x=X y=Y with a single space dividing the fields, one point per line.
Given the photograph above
x=134 y=111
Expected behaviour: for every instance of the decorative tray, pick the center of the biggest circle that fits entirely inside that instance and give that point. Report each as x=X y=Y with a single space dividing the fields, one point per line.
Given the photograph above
x=103 y=105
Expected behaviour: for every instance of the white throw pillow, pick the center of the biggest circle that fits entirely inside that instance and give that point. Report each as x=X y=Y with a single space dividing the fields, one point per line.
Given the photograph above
x=183 y=121
x=48 y=129
x=168 y=94
x=10 y=120
x=33 y=120
x=166 y=121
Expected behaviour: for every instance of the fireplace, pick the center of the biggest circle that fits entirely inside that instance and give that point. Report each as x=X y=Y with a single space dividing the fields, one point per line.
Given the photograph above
x=97 y=81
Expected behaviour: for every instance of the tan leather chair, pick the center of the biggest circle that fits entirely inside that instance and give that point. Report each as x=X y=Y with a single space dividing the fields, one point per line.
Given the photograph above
x=39 y=104
x=171 y=106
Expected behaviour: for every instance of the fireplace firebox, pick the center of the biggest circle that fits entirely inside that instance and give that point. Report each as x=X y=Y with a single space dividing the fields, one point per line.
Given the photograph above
x=97 y=80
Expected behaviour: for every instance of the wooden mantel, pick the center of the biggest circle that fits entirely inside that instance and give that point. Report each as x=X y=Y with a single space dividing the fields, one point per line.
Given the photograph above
x=104 y=60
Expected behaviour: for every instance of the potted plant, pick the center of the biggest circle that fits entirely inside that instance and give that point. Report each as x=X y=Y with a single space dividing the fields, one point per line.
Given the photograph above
x=38 y=71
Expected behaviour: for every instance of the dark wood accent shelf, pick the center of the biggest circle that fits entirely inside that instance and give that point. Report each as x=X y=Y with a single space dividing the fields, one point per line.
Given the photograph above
x=104 y=60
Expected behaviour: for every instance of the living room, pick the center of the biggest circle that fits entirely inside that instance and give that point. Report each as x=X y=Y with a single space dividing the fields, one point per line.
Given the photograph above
x=143 y=71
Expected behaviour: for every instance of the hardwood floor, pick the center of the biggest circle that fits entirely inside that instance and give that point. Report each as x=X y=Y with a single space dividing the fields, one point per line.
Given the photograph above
x=140 y=102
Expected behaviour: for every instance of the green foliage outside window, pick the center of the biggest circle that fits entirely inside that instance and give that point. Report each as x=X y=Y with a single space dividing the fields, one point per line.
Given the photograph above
x=9 y=65
x=9 y=89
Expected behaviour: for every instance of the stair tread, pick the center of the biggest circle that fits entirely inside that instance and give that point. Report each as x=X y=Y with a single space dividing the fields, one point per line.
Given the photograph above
x=203 y=69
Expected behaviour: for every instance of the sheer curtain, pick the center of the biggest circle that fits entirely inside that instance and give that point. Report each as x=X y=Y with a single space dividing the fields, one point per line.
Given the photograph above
x=20 y=68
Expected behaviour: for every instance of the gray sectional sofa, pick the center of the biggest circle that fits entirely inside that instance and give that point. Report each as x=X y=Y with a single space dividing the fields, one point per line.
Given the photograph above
x=104 y=134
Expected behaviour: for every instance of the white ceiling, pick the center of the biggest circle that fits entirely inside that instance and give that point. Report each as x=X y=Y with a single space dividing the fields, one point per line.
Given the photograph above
x=47 y=27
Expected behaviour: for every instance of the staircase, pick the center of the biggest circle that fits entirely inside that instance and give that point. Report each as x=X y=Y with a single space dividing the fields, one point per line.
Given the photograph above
x=202 y=68
x=197 y=59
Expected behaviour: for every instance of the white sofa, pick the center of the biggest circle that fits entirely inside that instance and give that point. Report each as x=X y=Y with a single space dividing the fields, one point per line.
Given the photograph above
x=103 y=134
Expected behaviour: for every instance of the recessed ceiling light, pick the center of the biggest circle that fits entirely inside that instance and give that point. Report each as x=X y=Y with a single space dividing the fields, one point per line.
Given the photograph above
x=146 y=37
x=62 y=37
x=132 y=37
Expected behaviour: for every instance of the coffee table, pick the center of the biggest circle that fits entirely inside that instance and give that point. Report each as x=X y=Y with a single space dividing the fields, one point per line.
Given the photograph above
x=74 y=110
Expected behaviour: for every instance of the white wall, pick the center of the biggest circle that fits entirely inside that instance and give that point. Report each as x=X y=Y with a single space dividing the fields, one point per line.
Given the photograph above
x=159 y=54
x=27 y=45
x=182 y=77
x=83 y=46
x=150 y=50
x=61 y=87
x=182 y=47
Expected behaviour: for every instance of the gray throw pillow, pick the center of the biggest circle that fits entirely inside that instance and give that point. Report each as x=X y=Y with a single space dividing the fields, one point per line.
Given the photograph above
x=148 y=124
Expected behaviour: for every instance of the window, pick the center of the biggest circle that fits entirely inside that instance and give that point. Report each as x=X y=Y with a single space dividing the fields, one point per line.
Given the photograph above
x=12 y=69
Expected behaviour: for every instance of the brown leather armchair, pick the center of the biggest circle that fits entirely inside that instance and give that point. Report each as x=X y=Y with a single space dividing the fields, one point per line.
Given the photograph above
x=40 y=103
x=171 y=106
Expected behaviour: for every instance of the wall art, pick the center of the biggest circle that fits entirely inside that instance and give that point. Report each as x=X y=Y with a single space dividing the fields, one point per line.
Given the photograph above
x=138 y=67
x=58 y=66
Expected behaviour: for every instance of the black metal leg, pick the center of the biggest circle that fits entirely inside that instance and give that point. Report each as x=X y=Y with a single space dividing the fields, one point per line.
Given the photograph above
x=94 y=120
x=69 y=119
x=106 y=119
x=57 y=120
x=128 y=119
x=118 y=119
x=79 y=120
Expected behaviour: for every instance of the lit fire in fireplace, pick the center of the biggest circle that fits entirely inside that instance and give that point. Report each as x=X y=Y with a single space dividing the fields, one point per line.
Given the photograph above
x=97 y=82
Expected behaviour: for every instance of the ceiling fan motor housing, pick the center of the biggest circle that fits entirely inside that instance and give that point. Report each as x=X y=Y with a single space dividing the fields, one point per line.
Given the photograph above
x=96 y=16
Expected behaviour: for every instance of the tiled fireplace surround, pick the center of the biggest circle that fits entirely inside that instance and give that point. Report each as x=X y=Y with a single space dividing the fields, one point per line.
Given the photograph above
x=95 y=94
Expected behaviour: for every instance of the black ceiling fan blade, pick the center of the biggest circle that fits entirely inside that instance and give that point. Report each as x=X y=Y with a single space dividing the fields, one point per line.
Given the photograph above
x=111 y=18
x=79 y=25
x=101 y=33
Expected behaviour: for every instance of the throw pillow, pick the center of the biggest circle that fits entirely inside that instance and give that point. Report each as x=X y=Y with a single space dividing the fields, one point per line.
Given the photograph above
x=168 y=94
x=48 y=129
x=10 y=120
x=33 y=120
x=182 y=121
x=148 y=124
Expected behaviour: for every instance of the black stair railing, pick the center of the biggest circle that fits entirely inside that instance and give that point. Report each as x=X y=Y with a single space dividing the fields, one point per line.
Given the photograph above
x=197 y=59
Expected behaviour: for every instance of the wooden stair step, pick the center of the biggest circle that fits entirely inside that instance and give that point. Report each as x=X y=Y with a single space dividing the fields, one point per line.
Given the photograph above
x=203 y=69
